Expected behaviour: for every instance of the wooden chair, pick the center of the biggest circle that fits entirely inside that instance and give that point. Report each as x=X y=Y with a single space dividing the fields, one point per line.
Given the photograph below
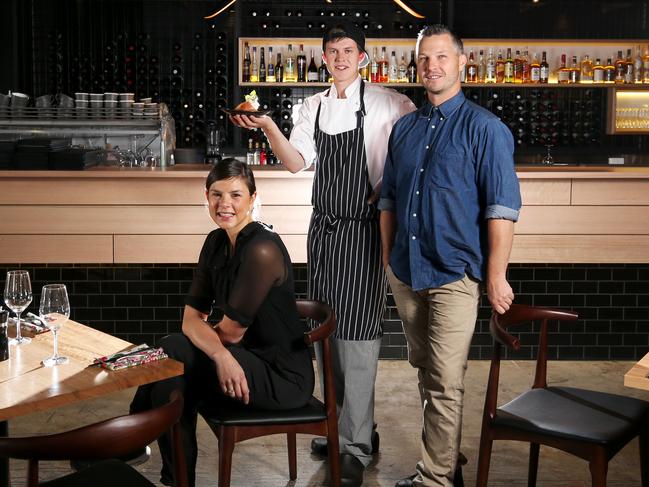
x=589 y=424
x=316 y=418
x=106 y=440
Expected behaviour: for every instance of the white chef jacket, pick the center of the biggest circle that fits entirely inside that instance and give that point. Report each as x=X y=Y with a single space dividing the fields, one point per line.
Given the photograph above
x=383 y=108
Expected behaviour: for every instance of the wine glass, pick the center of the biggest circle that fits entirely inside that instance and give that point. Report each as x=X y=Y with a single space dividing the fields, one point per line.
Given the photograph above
x=548 y=159
x=54 y=311
x=17 y=296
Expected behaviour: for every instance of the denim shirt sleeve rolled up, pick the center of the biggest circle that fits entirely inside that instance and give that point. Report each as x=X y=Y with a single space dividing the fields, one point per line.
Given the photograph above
x=448 y=170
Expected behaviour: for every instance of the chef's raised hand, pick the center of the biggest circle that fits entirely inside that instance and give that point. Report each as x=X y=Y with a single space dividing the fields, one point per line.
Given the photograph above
x=251 y=122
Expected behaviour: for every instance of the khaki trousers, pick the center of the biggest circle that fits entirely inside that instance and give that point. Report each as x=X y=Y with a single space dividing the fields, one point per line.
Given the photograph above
x=438 y=324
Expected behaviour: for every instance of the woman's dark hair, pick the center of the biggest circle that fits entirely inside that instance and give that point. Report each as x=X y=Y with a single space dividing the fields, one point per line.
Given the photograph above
x=230 y=168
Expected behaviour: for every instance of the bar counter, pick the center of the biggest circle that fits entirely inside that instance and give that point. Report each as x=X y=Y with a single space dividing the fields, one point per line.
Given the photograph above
x=571 y=214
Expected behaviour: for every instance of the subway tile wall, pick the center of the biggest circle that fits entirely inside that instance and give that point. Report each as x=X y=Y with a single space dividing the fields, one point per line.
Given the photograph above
x=142 y=303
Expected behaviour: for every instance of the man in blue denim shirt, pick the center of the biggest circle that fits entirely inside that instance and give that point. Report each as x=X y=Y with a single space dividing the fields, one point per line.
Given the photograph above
x=449 y=200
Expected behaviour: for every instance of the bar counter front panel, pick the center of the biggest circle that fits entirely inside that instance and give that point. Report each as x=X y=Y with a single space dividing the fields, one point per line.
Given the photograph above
x=126 y=242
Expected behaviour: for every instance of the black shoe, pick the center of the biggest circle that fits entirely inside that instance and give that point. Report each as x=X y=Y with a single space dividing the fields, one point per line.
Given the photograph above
x=406 y=482
x=134 y=459
x=319 y=444
x=351 y=471
x=458 y=480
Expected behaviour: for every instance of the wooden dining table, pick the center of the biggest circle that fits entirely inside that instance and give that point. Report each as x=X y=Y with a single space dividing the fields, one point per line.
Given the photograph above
x=638 y=375
x=26 y=386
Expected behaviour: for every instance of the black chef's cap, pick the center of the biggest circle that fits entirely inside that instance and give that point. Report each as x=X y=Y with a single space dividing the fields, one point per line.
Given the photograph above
x=350 y=31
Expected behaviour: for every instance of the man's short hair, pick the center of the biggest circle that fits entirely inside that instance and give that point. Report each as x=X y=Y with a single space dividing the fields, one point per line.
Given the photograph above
x=440 y=29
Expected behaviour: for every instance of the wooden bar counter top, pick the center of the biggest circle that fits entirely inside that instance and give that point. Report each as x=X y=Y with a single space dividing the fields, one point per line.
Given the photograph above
x=571 y=214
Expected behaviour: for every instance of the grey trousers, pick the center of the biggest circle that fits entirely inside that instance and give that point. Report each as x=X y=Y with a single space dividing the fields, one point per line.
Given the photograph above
x=354 y=371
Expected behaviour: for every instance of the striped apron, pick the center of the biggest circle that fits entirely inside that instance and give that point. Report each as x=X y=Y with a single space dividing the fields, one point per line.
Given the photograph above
x=344 y=242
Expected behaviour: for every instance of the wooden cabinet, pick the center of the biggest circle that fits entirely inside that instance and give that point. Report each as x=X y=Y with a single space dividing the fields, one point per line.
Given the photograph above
x=569 y=215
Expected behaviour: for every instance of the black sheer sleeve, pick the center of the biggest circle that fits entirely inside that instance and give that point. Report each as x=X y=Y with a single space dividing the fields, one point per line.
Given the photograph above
x=262 y=268
x=201 y=292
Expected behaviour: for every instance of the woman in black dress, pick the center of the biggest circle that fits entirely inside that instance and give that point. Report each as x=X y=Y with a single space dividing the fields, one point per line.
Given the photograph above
x=255 y=355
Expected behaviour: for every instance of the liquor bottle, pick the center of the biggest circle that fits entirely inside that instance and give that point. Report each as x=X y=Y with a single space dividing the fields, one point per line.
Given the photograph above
x=620 y=68
x=262 y=66
x=628 y=68
x=482 y=67
x=518 y=67
x=254 y=67
x=383 y=67
x=471 y=69
x=509 y=67
x=365 y=72
x=535 y=69
x=263 y=155
x=256 y=154
x=563 y=72
x=586 y=74
x=270 y=75
x=645 y=65
x=290 y=75
x=527 y=66
x=403 y=69
x=490 y=71
x=374 y=67
x=637 y=66
x=598 y=71
x=279 y=69
x=323 y=72
x=575 y=71
x=312 y=72
x=301 y=65
x=412 y=68
x=250 y=155
x=500 y=68
x=610 y=72
x=393 y=68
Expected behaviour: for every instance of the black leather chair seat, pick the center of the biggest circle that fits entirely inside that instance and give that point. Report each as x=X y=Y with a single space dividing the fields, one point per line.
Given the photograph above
x=108 y=473
x=566 y=412
x=313 y=412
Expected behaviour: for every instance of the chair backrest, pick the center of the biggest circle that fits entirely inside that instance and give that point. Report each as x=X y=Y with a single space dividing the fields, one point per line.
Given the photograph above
x=111 y=438
x=324 y=315
x=520 y=314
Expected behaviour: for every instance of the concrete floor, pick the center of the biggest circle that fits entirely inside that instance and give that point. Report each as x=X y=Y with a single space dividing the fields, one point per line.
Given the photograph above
x=263 y=462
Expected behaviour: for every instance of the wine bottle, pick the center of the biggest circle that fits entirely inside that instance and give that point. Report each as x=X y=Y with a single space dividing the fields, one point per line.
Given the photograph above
x=279 y=69
x=290 y=76
x=312 y=73
x=412 y=68
x=262 y=66
x=323 y=72
x=254 y=67
x=245 y=73
x=301 y=65
x=270 y=75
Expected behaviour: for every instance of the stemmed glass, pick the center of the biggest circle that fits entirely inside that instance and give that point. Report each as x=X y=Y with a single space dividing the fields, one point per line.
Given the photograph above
x=17 y=296
x=54 y=311
x=548 y=159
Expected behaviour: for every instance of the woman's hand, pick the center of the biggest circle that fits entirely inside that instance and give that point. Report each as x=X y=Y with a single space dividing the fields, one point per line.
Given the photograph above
x=232 y=379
